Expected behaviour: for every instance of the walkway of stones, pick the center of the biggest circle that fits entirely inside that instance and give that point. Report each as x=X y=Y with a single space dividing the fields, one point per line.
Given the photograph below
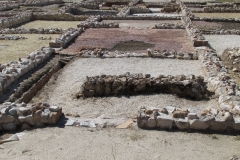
x=156 y=60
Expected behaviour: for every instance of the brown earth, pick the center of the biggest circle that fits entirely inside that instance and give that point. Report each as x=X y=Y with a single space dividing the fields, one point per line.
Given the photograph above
x=105 y=38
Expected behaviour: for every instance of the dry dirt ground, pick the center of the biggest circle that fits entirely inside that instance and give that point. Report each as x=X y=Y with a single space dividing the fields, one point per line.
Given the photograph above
x=61 y=90
x=219 y=15
x=169 y=39
x=14 y=49
x=51 y=24
x=139 y=23
x=222 y=42
x=110 y=144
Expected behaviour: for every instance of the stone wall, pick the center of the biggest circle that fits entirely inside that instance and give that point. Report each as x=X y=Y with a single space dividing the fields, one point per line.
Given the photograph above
x=139 y=18
x=27 y=96
x=8 y=5
x=170 y=117
x=169 y=26
x=21 y=30
x=58 y=17
x=65 y=38
x=216 y=19
x=149 y=53
x=133 y=84
x=41 y=2
x=11 y=37
x=15 y=20
x=21 y=116
x=135 y=10
x=12 y=71
x=220 y=31
x=223 y=118
x=193 y=32
x=220 y=10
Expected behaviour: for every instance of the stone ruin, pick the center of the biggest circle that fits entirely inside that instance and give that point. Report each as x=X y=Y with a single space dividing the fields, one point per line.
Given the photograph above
x=19 y=115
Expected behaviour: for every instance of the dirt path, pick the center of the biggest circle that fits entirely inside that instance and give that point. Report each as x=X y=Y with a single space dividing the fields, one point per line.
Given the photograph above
x=81 y=143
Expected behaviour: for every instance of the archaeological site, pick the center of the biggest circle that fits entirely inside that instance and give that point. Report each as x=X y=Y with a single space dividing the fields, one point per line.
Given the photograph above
x=120 y=79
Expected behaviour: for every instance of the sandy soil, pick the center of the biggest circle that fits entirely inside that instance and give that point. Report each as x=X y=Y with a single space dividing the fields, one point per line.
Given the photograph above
x=13 y=50
x=139 y=23
x=80 y=143
x=219 y=15
x=61 y=90
x=51 y=24
x=162 y=38
x=222 y=42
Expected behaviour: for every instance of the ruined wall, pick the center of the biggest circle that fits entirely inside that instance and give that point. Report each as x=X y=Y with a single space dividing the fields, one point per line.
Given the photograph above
x=21 y=116
x=12 y=71
x=149 y=53
x=133 y=84
x=21 y=30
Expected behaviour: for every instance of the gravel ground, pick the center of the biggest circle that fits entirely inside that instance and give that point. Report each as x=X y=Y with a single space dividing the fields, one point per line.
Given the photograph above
x=222 y=42
x=108 y=144
x=139 y=23
x=62 y=91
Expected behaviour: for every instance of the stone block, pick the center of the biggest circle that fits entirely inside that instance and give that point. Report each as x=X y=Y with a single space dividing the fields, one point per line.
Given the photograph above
x=182 y=123
x=236 y=124
x=218 y=125
x=192 y=116
x=142 y=121
x=9 y=126
x=45 y=116
x=54 y=116
x=24 y=111
x=152 y=123
x=164 y=121
x=28 y=119
x=37 y=116
x=198 y=124
x=6 y=118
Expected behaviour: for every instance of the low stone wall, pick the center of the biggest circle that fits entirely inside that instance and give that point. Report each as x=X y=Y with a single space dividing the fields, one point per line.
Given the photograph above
x=15 y=20
x=170 y=117
x=232 y=55
x=41 y=3
x=21 y=116
x=156 y=17
x=193 y=32
x=135 y=10
x=5 y=6
x=32 y=31
x=65 y=38
x=27 y=96
x=133 y=84
x=10 y=72
x=58 y=17
x=86 y=25
x=220 y=10
x=169 y=26
x=216 y=19
x=124 y=12
x=154 y=54
x=221 y=31
x=11 y=37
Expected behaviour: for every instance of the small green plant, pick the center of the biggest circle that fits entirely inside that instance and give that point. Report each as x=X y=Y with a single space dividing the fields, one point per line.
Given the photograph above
x=237 y=138
x=214 y=137
x=134 y=137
